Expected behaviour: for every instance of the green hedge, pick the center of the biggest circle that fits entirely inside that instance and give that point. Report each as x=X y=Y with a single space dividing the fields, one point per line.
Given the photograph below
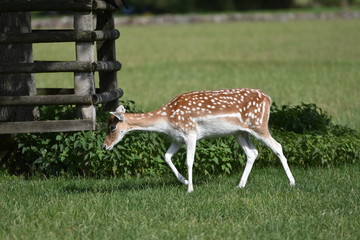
x=305 y=131
x=188 y=6
x=184 y=6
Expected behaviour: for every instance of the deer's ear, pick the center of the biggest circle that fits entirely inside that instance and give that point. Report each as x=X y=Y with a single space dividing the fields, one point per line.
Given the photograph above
x=118 y=115
x=120 y=109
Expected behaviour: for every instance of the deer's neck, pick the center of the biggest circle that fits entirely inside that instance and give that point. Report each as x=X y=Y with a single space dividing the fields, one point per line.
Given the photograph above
x=146 y=122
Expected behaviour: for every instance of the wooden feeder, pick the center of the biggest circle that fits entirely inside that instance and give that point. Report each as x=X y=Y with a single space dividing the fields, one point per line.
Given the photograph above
x=85 y=35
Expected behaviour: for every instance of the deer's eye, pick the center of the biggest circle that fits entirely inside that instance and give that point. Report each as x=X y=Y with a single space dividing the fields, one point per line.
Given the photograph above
x=112 y=127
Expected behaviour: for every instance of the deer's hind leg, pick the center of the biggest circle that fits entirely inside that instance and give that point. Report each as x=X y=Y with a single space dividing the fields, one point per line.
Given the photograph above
x=251 y=154
x=174 y=147
x=276 y=147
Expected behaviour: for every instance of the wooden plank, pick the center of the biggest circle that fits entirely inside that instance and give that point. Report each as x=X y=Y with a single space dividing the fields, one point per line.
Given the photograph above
x=106 y=52
x=105 y=97
x=102 y=5
x=45 y=5
x=46 y=126
x=45 y=100
x=110 y=34
x=54 y=91
x=59 y=66
x=39 y=36
x=106 y=66
x=46 y=66
x=42 y=36
x=55 y=5
x=68 y=99
x=84 y=82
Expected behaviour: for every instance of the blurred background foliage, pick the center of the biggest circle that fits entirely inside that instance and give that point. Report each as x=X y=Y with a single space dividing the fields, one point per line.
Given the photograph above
x=186 y=6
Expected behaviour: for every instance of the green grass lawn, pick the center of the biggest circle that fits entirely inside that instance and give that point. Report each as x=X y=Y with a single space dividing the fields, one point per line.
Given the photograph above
x=299 y=61
x=325 y=204
x=294 y=62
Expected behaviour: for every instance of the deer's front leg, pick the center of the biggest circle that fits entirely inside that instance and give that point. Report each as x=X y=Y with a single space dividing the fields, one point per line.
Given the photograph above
x=190 y=155
x=174 y=147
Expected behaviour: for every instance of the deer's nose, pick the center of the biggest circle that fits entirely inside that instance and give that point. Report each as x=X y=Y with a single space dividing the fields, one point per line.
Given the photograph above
x=106 y=147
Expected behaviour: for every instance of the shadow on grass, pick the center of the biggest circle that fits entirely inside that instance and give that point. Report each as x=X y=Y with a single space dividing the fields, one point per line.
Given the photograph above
x=125 y=185
x=120 y=186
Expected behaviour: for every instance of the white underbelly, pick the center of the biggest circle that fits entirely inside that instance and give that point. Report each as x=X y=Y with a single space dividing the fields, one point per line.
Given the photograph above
x=216 y=128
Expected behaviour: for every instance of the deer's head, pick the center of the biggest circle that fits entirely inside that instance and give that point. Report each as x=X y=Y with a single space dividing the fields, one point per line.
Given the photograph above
x=117 y=128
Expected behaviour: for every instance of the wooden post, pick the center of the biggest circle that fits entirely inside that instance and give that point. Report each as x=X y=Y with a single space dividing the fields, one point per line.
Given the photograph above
x=15 y=84
x=106 y=52
x=84 y=83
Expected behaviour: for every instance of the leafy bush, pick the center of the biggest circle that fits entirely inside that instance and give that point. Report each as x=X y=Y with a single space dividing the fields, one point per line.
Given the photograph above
x=181 y=6
x=304 y=118
x=334 y=3
x=305 y=131
x=186 y=6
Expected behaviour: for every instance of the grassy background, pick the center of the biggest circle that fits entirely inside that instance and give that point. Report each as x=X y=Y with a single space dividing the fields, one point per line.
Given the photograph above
x=325 y=204
x=294 y=62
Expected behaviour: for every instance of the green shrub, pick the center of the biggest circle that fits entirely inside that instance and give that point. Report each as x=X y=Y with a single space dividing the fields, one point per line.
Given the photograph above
x=304 y=118
x=305 y=132
x=181 y=6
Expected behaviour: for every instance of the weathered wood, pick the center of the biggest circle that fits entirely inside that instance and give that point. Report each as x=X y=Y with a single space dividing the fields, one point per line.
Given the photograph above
x=106 y=52
x=46 y=66
x=19 y=84
x=105 y=97
x=12 y=54
x=108 y=66
x=102 y=5
x=56 y=66
x=46 y=126
x=67 y=99
x=84 y=67
x=45 y=100
x=54 y=91
x=84 y=83
x=45 y=5
x=111 y=34
x=54 y=5
x=42 y=36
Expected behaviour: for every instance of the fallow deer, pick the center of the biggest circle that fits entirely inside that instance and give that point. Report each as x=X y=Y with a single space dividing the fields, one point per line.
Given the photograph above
x=195 y=115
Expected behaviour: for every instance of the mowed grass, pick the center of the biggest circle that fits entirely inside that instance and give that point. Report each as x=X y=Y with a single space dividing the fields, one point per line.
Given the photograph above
x=309 y=61
x=325 y=204
x=300 y=61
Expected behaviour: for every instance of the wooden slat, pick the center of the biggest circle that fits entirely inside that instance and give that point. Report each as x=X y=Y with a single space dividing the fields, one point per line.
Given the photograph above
x=106 y=52
x=68 y=99
x=60 y=66
x=106 y=97
x=45 y=100
x=46 y=126
x=38 y=36
x=60 y=91
x=54 y=5
x=102 y=5
x=111 y=34
x=46 y=66
x=54 y=91
x=45 y=5
x=42 y=36
x=84 y=82
x=107 y=66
